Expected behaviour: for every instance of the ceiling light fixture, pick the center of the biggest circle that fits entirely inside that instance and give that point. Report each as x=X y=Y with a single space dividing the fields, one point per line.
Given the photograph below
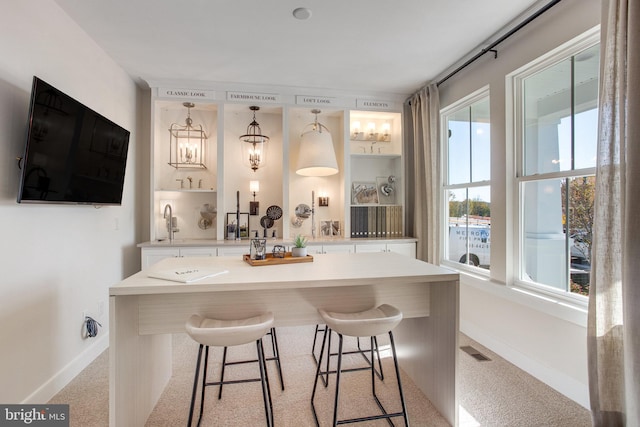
x=254 y=147
x=186 y=143
x=317 y=156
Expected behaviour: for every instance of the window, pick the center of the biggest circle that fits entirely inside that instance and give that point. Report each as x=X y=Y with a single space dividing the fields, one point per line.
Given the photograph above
x=556 y=101
x=467 y=173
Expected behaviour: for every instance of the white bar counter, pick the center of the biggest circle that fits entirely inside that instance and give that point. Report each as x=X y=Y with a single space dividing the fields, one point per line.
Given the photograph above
x=144 y=311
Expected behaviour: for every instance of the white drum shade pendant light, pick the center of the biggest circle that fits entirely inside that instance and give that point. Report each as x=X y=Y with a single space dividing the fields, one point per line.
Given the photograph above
x=254 y=144
x=317 y=156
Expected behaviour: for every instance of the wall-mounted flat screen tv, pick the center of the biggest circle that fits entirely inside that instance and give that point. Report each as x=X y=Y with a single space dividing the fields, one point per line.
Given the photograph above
x=72 y=154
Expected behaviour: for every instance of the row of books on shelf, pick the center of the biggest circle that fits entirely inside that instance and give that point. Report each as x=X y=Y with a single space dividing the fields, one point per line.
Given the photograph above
x=376 y=221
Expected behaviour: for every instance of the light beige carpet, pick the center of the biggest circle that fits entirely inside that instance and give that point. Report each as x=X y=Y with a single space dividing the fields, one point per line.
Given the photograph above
x=493 y=393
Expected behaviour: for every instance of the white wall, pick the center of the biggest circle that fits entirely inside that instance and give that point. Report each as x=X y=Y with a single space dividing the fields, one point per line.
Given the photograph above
x=58 y=260
x=542 y=337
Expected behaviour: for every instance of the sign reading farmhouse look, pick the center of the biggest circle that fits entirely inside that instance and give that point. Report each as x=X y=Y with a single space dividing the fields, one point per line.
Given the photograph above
x=270 y=98
x=187 y=93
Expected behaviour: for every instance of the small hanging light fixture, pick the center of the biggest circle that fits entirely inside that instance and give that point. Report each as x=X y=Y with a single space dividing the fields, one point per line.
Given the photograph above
x=186 y=143
x=254 y=144
x=317 y=156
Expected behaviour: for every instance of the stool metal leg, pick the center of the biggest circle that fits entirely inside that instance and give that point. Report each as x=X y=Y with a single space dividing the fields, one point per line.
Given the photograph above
x=313 y=348
x=276 y=357
x=204 y=382
x=364 y=355
x=224 y=363
x=338 y=369
x=395 y=363
x=266 y=393
x=315 y=383
x=195 y=386
x=379 y=371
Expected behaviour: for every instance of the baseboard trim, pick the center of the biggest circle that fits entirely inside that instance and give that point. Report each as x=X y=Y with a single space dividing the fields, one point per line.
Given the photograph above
x=57 y=382
x=574 y=390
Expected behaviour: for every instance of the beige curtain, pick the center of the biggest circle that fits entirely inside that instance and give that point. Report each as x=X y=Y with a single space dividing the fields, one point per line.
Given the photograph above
x=422 y=171
x=614 y=302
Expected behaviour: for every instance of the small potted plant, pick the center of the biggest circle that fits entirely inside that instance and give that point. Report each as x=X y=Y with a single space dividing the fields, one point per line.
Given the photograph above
x=299 y=246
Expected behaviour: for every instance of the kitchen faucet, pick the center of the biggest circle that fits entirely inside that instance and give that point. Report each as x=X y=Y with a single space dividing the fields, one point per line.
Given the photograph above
x=170 y=228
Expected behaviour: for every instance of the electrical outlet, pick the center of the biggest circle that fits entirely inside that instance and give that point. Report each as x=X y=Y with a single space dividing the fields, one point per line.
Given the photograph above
x=101 y=309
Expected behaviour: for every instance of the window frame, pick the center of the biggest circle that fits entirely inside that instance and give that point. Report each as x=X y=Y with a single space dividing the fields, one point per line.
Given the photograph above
x=515 y=120
x=472 y=98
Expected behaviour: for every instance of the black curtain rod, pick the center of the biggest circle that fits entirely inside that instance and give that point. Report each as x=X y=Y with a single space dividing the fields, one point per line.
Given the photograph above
x=490 y=48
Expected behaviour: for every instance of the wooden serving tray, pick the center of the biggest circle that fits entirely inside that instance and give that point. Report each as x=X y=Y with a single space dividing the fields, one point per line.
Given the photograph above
x=271 y=260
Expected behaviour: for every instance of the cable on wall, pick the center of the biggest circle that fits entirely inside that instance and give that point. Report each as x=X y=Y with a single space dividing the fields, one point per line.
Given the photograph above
x=491 y=47
x=91 y=327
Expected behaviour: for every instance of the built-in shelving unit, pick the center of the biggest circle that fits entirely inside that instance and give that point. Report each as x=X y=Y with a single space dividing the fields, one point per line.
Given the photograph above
x=367 y=141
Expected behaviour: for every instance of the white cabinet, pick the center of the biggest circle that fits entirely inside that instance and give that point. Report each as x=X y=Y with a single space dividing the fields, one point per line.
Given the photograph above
x=341 y=248
x=408 y=249
x=239 y=250
x=152 y=255
x=371 y=247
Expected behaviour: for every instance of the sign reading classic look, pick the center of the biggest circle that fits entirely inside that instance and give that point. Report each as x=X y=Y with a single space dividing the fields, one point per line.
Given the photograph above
x=187 y=93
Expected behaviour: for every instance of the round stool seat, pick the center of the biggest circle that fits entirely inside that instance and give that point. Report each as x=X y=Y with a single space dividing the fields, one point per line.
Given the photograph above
x=225 y=333
x=368 y=323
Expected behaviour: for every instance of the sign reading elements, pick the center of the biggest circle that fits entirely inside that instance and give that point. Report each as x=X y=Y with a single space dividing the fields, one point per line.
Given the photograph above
x=187 y=93
x=375 y=104
x=271 y=98
x=34 y=415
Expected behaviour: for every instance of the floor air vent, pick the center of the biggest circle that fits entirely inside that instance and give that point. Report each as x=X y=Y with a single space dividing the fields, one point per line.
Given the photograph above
x=474 y=353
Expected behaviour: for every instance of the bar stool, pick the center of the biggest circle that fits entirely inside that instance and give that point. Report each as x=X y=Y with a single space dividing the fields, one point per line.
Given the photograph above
x=276 y=358
x=368 y=323
x=226 y=333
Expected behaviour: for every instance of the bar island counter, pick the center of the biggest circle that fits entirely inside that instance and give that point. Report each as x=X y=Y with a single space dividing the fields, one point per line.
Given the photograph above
x=145 y=311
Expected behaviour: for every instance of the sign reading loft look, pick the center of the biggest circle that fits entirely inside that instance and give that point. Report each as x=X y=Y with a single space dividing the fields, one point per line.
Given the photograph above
x=324 y=101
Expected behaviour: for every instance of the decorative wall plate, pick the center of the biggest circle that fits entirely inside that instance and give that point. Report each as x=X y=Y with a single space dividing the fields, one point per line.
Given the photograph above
x=274 y=212
x=266 y=222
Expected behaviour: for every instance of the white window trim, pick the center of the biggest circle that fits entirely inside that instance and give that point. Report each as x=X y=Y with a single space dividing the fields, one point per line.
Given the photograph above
x=515 y=179
x=468 y=100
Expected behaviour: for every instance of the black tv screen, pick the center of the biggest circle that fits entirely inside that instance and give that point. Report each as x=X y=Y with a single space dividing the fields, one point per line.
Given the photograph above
x=72 y=153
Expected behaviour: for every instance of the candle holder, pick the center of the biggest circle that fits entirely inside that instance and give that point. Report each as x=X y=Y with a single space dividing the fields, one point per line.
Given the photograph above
x=258 y=249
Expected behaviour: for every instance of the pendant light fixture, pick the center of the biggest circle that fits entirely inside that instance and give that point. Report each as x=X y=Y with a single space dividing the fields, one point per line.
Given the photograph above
x=317 y=156
x=254 y=144
x=187 y=143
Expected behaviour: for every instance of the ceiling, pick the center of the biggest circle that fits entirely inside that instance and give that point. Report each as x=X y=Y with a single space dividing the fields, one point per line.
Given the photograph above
x=376 y=46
